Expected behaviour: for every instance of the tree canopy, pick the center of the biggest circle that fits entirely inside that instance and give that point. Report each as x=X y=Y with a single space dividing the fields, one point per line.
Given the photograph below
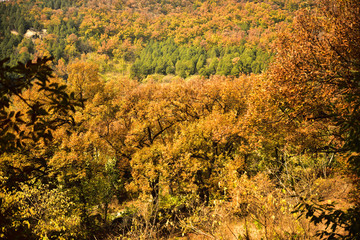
x=179 y=119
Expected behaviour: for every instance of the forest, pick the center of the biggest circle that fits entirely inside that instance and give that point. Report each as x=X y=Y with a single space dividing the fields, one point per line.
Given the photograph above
x=179 y=119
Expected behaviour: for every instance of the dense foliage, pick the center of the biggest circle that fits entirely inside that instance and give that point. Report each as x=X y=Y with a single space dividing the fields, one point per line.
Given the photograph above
x=168 y=58
x=179 y=119
x=126 y=31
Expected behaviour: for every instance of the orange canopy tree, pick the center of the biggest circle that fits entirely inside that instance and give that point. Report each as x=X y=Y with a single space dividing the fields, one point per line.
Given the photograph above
x=315 y=79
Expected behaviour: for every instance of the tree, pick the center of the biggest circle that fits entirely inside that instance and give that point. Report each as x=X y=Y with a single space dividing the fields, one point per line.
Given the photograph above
x=14 y=82
x=316 y=80
x=32 y=107
x=200 y=63
x=84 y=79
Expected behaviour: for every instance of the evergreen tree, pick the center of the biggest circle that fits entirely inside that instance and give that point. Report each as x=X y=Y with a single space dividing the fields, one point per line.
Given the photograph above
x=200 y=63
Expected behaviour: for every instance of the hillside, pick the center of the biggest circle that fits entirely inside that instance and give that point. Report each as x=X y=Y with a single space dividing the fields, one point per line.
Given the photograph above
x=226 y=37
x=185 y=119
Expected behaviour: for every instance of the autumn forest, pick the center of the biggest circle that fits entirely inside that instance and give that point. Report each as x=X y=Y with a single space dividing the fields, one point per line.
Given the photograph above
x=179 y=119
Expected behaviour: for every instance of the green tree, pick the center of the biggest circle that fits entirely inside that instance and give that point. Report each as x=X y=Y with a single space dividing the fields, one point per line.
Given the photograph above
x=201 y=63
